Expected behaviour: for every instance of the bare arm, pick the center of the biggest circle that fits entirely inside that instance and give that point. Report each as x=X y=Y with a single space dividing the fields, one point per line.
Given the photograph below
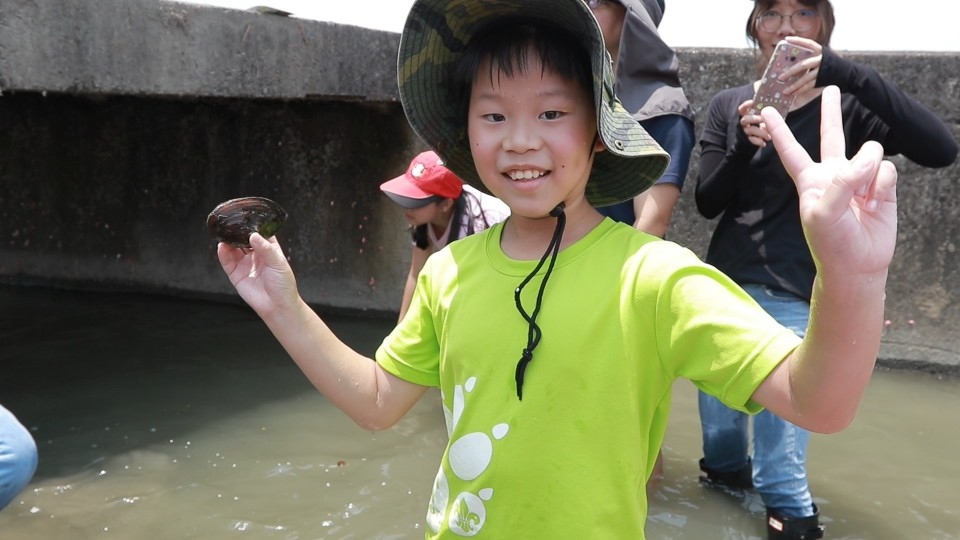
x=370 y=396
x=418 y=257
x=654 y=207
x=849 y=214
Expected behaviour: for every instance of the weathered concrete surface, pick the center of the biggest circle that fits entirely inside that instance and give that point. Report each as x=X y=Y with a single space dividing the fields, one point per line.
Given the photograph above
x=159 y=48
x=126 y=121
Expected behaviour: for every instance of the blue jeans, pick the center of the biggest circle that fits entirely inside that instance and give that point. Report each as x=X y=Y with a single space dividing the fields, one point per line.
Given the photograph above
x=779 y=447
x=18 y=457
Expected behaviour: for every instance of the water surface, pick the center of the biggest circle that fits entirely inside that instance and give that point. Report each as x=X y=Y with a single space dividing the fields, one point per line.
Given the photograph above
x=166 y=418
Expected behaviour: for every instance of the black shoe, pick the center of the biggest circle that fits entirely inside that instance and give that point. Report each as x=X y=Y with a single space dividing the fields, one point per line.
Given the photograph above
x=734 y=482
x=780 y=527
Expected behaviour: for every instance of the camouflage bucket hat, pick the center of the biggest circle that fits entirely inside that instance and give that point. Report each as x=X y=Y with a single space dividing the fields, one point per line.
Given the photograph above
x=435 y=33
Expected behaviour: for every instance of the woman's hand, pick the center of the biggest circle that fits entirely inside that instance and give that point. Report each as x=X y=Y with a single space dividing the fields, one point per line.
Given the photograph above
x=848 y=207
x=806 y=69
x=752 y=124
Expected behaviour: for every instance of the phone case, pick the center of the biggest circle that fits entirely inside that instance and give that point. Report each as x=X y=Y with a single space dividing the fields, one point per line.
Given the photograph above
x=770 y=91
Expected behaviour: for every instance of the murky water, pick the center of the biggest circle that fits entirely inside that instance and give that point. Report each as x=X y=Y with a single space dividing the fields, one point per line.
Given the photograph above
x=171 y=419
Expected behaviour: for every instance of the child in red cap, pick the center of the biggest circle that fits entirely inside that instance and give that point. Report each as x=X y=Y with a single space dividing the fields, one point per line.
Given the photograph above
x=433 y=198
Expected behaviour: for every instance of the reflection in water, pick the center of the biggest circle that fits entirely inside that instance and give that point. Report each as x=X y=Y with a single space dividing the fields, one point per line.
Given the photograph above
x=170 y=419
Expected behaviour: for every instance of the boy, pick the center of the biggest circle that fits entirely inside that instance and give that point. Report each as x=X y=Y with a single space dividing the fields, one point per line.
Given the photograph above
x=553 y=394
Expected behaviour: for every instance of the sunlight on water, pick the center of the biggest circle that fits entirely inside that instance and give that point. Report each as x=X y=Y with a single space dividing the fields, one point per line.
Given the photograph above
x=186 y=420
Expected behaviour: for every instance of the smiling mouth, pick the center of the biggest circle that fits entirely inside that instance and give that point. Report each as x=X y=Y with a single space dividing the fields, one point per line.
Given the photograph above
x=527 y=174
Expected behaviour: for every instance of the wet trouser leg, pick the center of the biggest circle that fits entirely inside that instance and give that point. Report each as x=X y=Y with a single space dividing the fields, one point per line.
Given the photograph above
x=779 y=447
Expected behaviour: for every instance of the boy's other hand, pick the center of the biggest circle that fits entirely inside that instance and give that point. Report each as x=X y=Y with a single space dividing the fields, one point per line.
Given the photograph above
x=848 y=207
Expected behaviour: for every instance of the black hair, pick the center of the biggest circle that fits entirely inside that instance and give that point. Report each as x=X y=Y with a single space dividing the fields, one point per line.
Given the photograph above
x=508 y=44
x=466 y=203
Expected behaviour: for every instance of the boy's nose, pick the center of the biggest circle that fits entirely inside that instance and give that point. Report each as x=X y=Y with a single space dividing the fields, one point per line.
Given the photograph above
x=521 y=138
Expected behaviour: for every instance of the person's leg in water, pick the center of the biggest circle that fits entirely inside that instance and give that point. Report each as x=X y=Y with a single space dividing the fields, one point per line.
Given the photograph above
x=779 y=447
x=726 y=446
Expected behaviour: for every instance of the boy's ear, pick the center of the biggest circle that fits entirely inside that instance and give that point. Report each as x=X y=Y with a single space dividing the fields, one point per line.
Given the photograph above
x=598 y=145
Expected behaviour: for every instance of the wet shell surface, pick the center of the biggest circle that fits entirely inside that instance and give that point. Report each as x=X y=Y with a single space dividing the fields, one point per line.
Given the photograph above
x=232 y=222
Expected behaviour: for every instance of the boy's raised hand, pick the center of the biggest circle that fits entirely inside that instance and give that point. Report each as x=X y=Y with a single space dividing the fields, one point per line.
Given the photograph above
x=848 y=207
x=261 y=274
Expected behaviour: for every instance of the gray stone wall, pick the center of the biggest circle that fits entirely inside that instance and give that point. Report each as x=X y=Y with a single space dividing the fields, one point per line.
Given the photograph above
x=126 y=121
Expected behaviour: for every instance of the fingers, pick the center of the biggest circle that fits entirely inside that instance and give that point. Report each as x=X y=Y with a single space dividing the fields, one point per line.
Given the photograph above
x=262 y=252
x=752 y=125
x=805 y=42
x=793 y=156
x=832 y=139
x=883 y=186
x=228 y=256
x=807 y=81
x=867 y=176
x=855 y=178
x=262 y=247
x=268 y=250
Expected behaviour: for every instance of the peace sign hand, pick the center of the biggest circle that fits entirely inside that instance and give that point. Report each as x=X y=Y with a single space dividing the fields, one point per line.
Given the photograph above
x=848 y=207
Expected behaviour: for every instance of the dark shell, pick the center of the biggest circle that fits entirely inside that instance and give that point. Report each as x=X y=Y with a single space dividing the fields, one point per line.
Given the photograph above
x=232 y=222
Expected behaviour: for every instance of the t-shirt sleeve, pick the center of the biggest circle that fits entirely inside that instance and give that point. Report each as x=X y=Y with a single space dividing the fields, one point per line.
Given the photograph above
x=710 y=331
x=411 y=351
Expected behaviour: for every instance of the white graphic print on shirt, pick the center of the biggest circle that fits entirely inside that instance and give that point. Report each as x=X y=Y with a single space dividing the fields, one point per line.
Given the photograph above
x=468 y=457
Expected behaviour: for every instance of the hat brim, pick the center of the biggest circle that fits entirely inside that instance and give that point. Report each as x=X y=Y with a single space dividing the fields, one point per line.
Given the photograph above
x=403 y=187
x=435 y=33
x=411 y=203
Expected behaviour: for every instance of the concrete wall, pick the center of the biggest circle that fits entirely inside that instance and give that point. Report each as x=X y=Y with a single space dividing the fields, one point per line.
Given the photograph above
x=126 y=121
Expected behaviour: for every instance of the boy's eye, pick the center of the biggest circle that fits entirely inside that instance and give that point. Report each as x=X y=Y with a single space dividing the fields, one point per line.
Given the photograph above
x=551 y=115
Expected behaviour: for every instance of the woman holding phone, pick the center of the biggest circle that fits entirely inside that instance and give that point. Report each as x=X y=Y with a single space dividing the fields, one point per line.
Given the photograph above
x=759 y=242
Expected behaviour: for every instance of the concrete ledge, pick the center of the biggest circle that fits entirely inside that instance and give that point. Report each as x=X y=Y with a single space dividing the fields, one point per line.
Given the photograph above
x=161 y=48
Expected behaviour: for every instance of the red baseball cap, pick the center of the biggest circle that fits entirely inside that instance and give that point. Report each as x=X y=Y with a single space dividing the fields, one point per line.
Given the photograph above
x=425 y=181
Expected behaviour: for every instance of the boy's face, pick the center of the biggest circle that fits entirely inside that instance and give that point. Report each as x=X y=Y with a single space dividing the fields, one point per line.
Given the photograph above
x=610 y=14
x=532 y=136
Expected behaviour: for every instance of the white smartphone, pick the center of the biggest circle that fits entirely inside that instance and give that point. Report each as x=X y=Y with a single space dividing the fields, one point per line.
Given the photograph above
x=770 y=92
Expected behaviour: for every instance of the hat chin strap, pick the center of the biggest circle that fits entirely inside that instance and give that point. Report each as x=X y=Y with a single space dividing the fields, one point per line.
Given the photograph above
x=533 y=330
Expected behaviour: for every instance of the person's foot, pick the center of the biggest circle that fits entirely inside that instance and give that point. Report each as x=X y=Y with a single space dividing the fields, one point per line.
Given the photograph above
x=780 y=527
x=732 y=482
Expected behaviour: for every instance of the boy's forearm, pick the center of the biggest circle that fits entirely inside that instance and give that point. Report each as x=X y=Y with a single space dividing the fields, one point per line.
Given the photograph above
x=348 y=379
x=830 y=370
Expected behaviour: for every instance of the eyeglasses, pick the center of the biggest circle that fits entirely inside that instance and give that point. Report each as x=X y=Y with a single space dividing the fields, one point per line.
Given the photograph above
x=801 y=20
x=594 y=4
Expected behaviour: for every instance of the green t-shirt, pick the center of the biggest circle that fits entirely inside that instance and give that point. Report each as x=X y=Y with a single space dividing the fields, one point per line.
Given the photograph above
x=623 y=315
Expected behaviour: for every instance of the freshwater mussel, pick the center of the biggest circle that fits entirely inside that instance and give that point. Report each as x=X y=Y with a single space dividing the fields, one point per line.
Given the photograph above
x=232 y=222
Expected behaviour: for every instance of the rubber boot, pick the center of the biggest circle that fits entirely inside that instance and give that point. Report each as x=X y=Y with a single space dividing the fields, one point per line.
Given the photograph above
x=785 y=528
x=734 y=481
